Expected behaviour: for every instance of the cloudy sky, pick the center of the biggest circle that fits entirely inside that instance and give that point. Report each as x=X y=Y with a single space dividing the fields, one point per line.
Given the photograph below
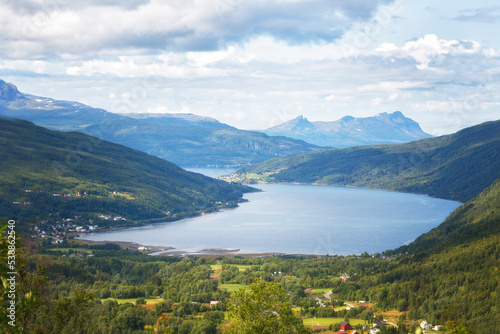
x=255 y=64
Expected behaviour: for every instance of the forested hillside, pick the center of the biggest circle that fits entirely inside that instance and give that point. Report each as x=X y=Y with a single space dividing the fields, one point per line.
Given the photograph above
x=477 y=219
x=449 y=273
x=45 y=172
x=457 y=166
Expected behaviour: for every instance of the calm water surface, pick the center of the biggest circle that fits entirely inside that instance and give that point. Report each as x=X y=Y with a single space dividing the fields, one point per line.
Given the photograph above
x=300 y=219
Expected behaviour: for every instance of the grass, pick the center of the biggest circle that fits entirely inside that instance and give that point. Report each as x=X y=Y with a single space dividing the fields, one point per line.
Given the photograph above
x=329 y=321
x=232 y=287
x=218 y=267
x=66 y=250
x=132 y=300
x=319 y=292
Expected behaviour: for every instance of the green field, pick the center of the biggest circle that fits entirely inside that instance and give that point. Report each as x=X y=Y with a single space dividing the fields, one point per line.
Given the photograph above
x=232 y=287
x=329 y=321
x=218 y=267
x=132 y=300
x=320 y=292
x=66 y=250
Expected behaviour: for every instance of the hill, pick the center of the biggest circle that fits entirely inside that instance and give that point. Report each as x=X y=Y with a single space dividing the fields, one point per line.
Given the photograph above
x=384 y=128
x=44 y=173
x=449 y=273
x=477 y=219
x=457 y=166
x=187 y=140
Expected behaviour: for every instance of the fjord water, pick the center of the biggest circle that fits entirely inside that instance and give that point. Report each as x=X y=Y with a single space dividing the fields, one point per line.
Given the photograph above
x=300 y=219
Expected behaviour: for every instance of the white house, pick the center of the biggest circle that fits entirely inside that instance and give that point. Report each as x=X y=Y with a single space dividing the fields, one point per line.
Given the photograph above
x=425 y=325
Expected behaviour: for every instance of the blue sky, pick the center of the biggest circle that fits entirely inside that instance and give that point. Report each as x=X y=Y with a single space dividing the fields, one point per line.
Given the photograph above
x=256 y=64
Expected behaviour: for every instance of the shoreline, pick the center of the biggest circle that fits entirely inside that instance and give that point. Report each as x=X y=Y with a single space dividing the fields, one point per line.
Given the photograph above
x=172 y=251
x=124 y=244
x=350 y=186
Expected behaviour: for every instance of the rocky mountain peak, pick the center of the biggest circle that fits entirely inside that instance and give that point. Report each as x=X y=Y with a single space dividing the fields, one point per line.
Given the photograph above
x=9 y=92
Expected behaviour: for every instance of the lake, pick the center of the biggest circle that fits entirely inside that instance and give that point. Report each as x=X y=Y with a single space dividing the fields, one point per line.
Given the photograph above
x=300 y=219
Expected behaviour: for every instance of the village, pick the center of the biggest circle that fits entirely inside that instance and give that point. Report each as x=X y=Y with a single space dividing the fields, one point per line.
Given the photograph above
x=57 y=229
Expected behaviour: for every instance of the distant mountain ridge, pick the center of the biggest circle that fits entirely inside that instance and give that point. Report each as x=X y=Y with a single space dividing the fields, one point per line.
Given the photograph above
x=187 y=140
x=384 y=128
x=457 y=166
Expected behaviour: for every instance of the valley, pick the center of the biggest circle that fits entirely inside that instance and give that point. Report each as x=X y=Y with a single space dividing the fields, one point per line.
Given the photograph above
x=441 y=271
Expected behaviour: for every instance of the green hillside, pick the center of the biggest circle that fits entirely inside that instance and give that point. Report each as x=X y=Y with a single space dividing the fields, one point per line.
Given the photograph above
x=44 y=172
x=477 y=219
x=449 y=273
x=457 y=166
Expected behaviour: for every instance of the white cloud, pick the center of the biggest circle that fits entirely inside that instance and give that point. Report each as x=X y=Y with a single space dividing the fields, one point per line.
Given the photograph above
x=428 y=48
x=39 y=29
x=253 y=64
x=376 y=101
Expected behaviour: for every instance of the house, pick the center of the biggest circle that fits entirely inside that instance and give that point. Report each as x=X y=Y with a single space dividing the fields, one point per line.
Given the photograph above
x=366 y=327
x=437 y=327
x=425 y=325
x=345 y=277
x=213 y=302
x=345 y=326
x=374 y=330
x=353 y=332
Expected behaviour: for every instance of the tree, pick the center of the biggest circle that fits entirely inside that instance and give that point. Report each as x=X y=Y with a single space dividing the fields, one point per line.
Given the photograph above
x=263 y=308
x=454 y=327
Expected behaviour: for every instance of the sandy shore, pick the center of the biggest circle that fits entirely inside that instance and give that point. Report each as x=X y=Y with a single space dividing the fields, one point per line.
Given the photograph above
x=125 y=244
x=215 y=253
x=171 y=251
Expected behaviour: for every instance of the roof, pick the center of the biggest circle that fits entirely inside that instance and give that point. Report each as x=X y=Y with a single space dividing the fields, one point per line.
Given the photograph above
x=343 y=323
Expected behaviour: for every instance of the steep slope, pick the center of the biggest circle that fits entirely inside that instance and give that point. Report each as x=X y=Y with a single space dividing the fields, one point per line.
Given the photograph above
x=187 y=140
x=39 y=166
x=457 y=166
x=451 y=272
x=477 y=219
x=384 y=128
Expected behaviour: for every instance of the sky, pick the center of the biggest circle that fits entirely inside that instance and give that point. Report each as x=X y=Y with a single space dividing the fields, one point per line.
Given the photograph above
x=256 y=64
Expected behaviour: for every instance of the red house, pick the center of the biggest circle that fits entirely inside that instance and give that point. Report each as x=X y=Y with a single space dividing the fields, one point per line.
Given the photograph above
x=345 y=326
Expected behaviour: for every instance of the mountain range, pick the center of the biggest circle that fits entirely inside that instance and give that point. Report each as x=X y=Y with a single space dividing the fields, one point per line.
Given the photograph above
x=457 y=166
x=384 y=128
x=194 y=141
x=187 y=140
x=38 y=166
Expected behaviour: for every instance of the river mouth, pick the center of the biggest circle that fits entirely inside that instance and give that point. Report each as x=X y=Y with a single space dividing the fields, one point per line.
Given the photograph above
x=298 y=219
